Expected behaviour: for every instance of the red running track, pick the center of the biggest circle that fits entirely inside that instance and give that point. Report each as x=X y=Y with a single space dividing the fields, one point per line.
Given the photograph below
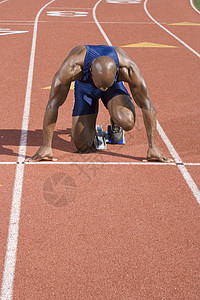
x=90 y=227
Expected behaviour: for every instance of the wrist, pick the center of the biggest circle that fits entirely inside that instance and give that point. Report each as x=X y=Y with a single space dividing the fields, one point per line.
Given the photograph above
x=152 y=145
x=46 y=144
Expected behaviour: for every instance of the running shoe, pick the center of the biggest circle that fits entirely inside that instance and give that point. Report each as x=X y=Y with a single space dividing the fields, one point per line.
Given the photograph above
x=116 y=133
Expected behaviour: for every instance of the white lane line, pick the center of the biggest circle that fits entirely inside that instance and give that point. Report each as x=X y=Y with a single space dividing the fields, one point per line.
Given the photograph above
x=192 y=185
x=98 y=25
x=89 y=163
x=168 y=31
x=16 y=21
x=124 y=1
x=52 y=7
x=98 y=163
x=192 y=164
x=18 y=24
x=8 y=163
x=93 y=22
x=105 y=163
x=71 y=22
x=3 y=1
x=193 y=6
x=102 y=163
x=11 y=252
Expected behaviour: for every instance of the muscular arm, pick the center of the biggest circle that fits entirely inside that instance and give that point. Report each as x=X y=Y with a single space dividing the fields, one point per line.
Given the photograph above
x=70 y=70
x=58 y=94
x=129 y=72
x=141 y=96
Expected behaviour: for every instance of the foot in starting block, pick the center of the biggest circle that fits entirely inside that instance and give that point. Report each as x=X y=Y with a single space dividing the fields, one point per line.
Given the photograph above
x=102 y=138
x=109 y=139
x=99 y=140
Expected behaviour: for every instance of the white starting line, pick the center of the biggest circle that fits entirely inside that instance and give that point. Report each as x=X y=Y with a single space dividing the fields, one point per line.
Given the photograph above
x=142 y=163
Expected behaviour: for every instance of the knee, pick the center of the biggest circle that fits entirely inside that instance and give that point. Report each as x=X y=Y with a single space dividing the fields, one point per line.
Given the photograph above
x=127 y=122
x=85 y=147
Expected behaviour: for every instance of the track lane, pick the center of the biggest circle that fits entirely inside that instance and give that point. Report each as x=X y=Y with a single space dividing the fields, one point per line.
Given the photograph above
x=191 y=184
x=12 y=242
x=14 y=68
x=13 y=10
x=177 y=12
x=15 y=51
x=114 y=242
x=172 y=85
x=115 y=217
x=109 y=233
x=190 y=123
x=6 y=188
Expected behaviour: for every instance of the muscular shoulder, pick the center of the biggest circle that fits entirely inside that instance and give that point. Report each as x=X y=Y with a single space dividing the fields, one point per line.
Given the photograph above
x=77 y=55
x=128 y=69
x=71 y=68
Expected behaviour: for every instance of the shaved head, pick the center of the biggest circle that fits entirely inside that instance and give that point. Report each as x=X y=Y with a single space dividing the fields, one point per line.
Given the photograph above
x=103 y=71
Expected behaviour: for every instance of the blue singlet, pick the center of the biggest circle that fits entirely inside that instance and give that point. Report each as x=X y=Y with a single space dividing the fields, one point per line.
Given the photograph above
x=86 y=94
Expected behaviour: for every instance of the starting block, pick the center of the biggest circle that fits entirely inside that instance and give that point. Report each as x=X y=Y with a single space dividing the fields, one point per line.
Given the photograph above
x=99 y=139
x=102 y=138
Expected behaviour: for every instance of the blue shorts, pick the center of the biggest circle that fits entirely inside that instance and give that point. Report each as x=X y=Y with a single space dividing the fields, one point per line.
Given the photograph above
x=86 y=97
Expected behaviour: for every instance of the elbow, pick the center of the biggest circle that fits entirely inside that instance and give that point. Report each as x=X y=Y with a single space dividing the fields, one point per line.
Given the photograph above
x=52 y=105
x=56 y=80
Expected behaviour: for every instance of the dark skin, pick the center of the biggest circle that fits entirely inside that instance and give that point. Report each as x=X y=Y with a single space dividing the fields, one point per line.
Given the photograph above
x=103 y=72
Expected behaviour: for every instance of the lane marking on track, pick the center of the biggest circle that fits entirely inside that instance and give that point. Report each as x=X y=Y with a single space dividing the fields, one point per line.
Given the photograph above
x=3 y=1
x=18 y=24
x=103 y=22
x=168 y=31
x=8 y=31
x=67 y=14
x=192 y=4
x=13 y=231
x=71 y=22
x=124 y=1
x=185 y=24
x=52 y=7
x=148 y=45
x=98 y=24
x=99 y=163
x=16 y=21
x=192 y=185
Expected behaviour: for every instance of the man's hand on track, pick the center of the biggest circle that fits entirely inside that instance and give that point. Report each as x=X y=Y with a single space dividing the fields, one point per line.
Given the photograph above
x=155 y=154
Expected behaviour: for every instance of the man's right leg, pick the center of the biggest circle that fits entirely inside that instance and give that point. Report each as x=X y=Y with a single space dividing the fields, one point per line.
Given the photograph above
x=83 y=132
x=84 y=116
